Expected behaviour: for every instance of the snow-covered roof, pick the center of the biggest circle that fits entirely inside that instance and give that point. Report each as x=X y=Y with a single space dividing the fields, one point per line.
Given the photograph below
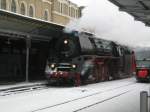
x=139 y=9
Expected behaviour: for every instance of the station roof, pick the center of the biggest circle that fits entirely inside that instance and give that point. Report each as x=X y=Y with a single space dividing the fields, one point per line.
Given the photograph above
x=139 y=9
x=18 y=25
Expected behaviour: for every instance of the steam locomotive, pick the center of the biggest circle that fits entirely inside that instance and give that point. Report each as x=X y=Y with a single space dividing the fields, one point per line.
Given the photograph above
x=80 y=57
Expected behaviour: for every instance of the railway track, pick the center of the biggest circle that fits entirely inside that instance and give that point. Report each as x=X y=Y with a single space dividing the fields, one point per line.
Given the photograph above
x=18 y=90
x=87 y=96
x=101 y=101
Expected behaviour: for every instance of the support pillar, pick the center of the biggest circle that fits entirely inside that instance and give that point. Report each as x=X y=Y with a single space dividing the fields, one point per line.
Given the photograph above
x=28 y=45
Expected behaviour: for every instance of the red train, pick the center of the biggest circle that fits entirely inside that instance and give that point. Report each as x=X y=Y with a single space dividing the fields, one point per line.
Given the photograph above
x=80 y=57
x=143 y=70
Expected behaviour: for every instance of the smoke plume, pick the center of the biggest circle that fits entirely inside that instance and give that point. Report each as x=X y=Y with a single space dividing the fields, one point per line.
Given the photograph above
x=104 y=19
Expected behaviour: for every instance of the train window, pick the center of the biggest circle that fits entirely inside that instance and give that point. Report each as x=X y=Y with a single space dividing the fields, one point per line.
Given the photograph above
x=122 y=51
x=119 y=51
x=86 y=43
x=102 y=44
x=115 y=49
x=127 y=51
x=107 y=45
x=98 y=43
x=143 y=63
x=64 y=68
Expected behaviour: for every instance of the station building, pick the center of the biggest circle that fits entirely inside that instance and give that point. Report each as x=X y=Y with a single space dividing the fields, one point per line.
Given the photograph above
x=27 y=31
x=58 y=11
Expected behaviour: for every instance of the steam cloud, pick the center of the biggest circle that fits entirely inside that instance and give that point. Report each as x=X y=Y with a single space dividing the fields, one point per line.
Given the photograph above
x=104 y=19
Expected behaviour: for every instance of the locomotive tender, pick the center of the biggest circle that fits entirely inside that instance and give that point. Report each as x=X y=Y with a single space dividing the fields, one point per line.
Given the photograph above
x=81 y=57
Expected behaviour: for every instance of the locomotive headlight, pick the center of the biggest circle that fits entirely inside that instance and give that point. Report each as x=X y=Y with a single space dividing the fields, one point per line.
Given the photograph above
x=52 y=65
x=66 y=42
x=74 y=66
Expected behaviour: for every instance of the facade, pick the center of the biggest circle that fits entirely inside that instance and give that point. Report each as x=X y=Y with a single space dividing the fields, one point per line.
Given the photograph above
x=58 y=11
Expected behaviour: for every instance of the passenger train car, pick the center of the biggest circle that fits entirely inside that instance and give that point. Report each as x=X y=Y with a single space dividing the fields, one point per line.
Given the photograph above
x=81 y=57
x=143 y=70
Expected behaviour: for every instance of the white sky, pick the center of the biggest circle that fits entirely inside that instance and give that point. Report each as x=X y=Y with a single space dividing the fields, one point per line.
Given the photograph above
x=109 y=23
x=80 y=2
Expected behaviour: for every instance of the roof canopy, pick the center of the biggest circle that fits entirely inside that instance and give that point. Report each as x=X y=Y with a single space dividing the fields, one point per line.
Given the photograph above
x=139 y=9
x=17 y=25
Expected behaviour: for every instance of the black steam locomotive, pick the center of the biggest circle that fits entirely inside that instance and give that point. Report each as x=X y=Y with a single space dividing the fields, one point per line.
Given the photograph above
x=81 y=57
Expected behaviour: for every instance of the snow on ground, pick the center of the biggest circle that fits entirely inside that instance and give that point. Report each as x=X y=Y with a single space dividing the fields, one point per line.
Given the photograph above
x=113 y=96
x=22 y=84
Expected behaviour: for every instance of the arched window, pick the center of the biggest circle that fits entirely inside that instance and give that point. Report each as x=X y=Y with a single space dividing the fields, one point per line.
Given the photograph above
x=13 y=6
x=65 y=9
x=3 y=4
x=61 y=7
x=72 y=12
x=46 y=14
x=31 y=11
x=69 y=11
x=22 y=9
x=77 y=13
x=56 y=6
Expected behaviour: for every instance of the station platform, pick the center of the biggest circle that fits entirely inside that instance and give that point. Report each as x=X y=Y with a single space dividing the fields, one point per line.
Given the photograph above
x=17 y=85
